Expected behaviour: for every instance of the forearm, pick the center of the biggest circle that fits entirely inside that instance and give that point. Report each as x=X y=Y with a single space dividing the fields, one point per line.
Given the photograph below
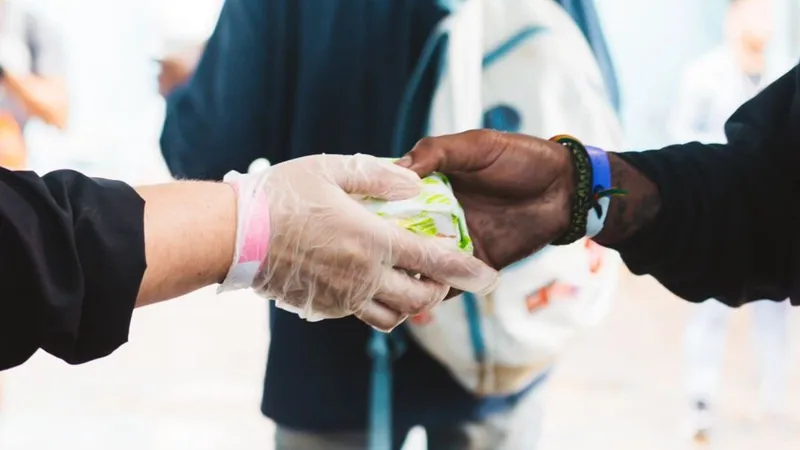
x=45 y=98
x=190 y=233
x=80 y=254
x=723 y=222
x=702 y=219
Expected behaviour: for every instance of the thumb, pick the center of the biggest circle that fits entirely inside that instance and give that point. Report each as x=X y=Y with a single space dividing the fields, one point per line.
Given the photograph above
x=375 y=177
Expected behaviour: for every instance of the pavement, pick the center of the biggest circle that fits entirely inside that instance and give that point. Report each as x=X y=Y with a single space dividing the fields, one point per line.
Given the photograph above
x=190 y=379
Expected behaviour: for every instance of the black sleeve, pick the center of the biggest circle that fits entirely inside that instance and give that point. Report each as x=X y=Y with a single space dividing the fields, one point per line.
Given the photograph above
x=728 y=224
x=71 y=266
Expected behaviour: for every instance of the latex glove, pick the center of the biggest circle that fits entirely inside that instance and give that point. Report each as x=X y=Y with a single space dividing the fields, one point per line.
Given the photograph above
x=328 y=256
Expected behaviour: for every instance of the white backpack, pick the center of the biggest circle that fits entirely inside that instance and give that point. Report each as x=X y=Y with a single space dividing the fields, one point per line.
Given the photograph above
x=523 y=66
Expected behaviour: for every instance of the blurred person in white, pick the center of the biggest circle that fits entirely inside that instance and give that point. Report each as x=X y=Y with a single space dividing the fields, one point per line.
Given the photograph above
x=32 y=79
x=185 y=26
x=177 y=64
x=712 y=89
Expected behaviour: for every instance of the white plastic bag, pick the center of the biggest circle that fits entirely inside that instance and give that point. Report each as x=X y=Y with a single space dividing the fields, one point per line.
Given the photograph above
x=434 y=212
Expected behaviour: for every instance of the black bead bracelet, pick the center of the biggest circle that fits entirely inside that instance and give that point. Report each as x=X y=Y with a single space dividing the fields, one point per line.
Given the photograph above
x=582 y=198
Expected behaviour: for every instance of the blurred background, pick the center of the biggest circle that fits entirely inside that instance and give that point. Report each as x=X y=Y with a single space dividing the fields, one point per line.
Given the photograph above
x=191 y=377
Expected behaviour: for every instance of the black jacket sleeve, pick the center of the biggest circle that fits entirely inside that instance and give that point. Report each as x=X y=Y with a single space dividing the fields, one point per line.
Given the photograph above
x=728 y=224
x=71 y=264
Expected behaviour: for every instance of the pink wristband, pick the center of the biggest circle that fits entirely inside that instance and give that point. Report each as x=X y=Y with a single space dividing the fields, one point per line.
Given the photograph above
x=253 y=242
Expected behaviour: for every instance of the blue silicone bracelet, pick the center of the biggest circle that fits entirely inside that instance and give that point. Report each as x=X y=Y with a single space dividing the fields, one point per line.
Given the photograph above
x=601 y=169
x=601 y=181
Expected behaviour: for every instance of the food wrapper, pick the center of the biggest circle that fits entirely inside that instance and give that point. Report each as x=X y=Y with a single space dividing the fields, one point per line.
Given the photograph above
x=434 y=212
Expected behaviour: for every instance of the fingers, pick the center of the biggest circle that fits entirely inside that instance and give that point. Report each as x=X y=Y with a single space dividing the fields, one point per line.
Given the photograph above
x=463 y=152
x=408 y=295
x=431 y=259
x=380 y=316
x=367 y=175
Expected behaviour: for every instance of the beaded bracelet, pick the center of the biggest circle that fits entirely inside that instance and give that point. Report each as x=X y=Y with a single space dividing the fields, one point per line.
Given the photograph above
x=588 y=191
x=583 y=190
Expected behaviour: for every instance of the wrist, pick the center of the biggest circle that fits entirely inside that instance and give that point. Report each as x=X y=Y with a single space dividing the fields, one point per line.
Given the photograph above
x=591 y=190
x=563 y=189
x=579 y=189
x=252 y=232
x=628 y=214
x=601 y=191
x=226 y=199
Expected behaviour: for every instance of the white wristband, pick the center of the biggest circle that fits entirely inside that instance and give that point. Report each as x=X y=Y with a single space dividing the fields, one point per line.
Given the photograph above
x=594 y=224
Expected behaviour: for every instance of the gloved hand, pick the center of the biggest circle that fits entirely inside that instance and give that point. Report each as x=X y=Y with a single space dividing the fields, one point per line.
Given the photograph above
x=303 y=241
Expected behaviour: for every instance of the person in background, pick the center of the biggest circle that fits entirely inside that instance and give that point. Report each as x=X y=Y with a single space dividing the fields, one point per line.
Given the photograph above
x=32 y=78
x=287 y=78
x=282 y=79
x=711 y=90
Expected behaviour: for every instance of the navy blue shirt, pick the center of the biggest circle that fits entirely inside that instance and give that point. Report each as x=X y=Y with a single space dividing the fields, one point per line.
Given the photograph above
x=284 y=79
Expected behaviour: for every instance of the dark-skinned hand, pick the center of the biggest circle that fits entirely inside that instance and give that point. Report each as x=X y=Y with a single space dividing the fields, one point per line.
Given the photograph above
x=516 y=190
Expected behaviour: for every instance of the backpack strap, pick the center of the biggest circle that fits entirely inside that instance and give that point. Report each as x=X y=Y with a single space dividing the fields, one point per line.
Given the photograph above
x=384 y=349
x=584 y=14
x=473 y=313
